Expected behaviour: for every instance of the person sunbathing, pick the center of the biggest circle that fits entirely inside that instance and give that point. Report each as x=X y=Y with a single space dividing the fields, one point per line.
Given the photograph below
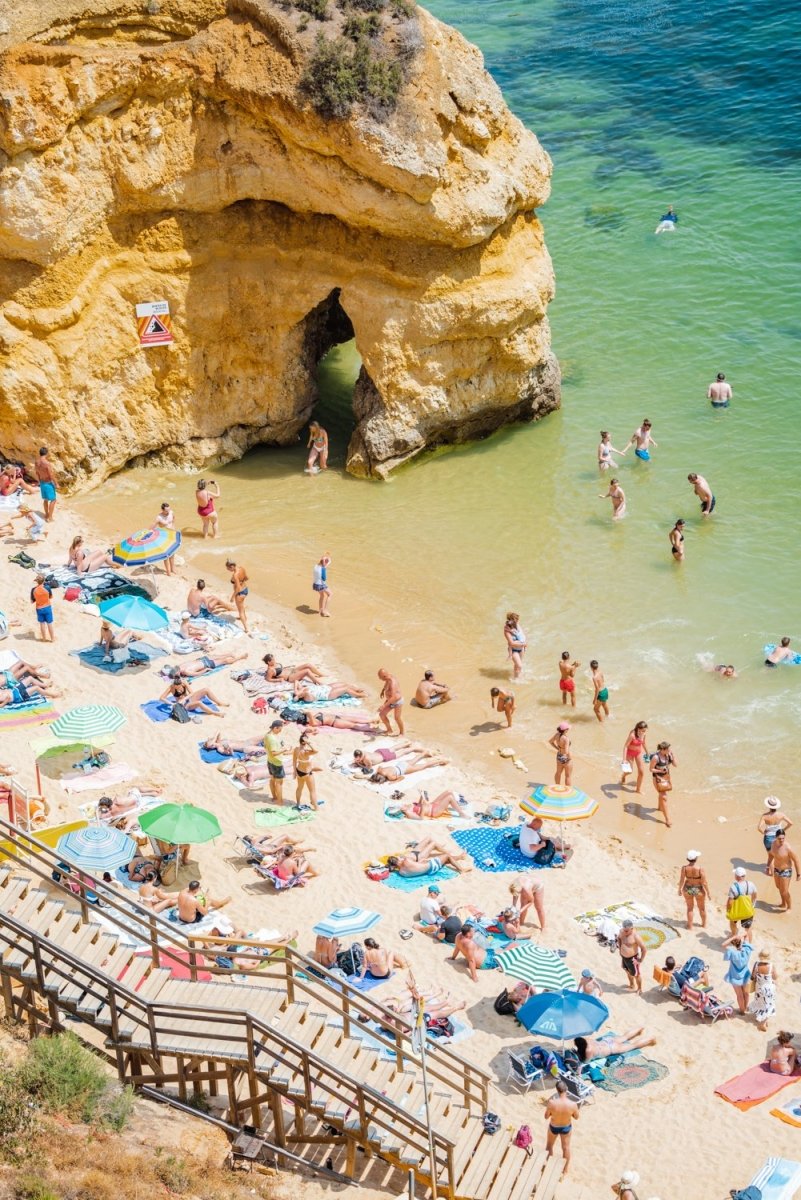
x=311 y=693
x=291 y=865
x=783 y=1058
x=249 y=774
x=324 y=719
x=326 y=950
x=179 y=692
x=143 y=869
x=190 y=668
x=379 y=962
x=589 y=1048
x=271 y=845
x=274 y=671
x=251 y=747
x=437 y=1001
x=18 y=694
x=390 y=772
x=193 y=633
x=29 y=674
x=154 y=897
x=121 y=811
x=423 y=809
x=374 y=758
x=426 y=857
x=83 y=561
x=245 y=957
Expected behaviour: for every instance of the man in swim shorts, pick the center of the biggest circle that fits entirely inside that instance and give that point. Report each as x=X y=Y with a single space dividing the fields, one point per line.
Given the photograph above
x=47 y=482
x=632 y=955
x=642 y=441
x=276 y=752
x=780 y=653
x=600 y=699
x=478 y=958
x=430 y=693
x=704 y=493
x=782 y=862
x=560 y=1113
x=391 y=701
x=567 y=682
x=720 y=392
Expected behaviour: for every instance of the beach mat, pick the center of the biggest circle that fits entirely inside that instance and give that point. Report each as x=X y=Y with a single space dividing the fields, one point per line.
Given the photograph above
x=214 y=756
x=402 y=883
x=114 y=773
x=779 y=1179
x=93 y=656
x=489 y=843
x=789 y=1112
x=652 y=928
x=269 y=818
x=31 y=712
x=632 y=1071
x=159 y=711
x=369 y=982
x=466 y=814
x=754 y=1085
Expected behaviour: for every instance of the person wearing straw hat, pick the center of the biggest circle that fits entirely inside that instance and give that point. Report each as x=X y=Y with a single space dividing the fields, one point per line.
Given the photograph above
x=624 y=1188
x=694 y=888
x=764 y=977
x=772 y=820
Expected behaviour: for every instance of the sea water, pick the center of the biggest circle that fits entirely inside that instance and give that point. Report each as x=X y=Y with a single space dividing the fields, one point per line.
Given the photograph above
x=640 y=105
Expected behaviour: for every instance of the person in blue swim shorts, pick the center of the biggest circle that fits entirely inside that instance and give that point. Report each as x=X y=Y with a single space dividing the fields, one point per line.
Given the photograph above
x=47 y=482
x=642 y=440
x=478 y=958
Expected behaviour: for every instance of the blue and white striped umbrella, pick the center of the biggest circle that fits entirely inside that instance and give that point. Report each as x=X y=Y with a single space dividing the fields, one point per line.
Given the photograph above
x=96 y=848
x=345 y=922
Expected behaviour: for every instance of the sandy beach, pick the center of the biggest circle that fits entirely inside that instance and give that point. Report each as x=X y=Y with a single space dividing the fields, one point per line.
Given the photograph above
x=655 y=1130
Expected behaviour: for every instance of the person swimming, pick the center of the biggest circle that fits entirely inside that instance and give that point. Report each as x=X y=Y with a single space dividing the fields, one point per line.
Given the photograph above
x=667 y=222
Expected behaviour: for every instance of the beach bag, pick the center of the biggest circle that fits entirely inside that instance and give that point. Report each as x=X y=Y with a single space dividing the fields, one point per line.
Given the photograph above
x=498 y=812
x=377 y=873
x=749 y=1193
x=626 y=767
x=179 y=714
x=740 y=907
x=491 y=1122
x=223 y=961
x=503 y=1005
x=350 y=961
x=524 y=1140
x=546 y=854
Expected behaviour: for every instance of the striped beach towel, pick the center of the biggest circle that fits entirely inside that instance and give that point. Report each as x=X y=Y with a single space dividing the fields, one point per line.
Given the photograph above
x=31 y=712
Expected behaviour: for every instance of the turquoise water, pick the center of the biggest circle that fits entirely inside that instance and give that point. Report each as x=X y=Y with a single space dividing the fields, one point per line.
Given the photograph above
x=640 y=105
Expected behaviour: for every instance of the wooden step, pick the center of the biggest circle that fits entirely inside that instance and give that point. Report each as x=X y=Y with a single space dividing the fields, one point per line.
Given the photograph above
x=135 y=971
x=31 y=902
x=289 y=1021
x=515 y=1162
x=10 y=894
x=46 y=916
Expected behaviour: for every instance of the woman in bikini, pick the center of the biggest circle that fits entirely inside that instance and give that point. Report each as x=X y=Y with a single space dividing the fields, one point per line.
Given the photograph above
x=318 y=449
x=676 y=537
x=302 y=761
x=391 y=772
x=274 y=671
x=633 y=752
x=249 y=747
x=180 y=693
x=605 y=452
x=426 y=857
x=291 y=865
x=660 y=765
x=618 y=498
x=694 y=888
x=239 y=592
x=423 y=809
x=83 y=560
x=590 y=1048
x=564 y=760
x=516 y=642
x=366 y=759
x=204 y=498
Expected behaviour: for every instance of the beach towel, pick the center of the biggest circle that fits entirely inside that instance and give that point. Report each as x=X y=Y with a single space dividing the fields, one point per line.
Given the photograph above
x=754 y=1085
x=93 y=656
x=654 y=930
x=789 y=1112
x=214 y=756
x=369 y=982
x=159 y=710
x=633 y=1070
x=487 y=845
x=461 y=1031
x=779 y=1179
x=268 y=818
x=166 y=674
x=114 y=773
x=402 y=883
x=409 y=785
x=30 y=712
x=466 y=814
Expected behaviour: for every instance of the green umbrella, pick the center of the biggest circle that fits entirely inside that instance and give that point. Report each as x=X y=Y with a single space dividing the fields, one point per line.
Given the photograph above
x=537 y=966
x=180 y=824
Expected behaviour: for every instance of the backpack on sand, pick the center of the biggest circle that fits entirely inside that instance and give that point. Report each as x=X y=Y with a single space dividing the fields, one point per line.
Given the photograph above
x=503 y=1005
x=491 y=1122
x=524 y=1139
x=350 y=961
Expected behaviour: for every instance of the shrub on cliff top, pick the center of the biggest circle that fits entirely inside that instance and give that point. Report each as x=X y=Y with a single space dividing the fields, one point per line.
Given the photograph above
x=64 y=1076
x=338 y=74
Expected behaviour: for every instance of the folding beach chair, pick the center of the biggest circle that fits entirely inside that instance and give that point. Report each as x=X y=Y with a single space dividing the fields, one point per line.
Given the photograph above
x=243 y=846
x=579 y=1090
x=706 y=1004
x=521 y=1072
x=280 y=885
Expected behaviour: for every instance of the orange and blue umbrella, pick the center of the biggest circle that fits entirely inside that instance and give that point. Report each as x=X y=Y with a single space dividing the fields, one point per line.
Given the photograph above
x=554 y=802
x=146 y=546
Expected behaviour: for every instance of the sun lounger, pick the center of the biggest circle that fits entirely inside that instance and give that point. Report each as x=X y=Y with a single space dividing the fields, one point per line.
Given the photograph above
x=581 y=1091
x=706 y=1004
x=280 y=885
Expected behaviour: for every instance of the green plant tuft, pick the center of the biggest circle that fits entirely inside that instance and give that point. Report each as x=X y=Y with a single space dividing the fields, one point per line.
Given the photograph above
x=172 y=1172
x=357 y=28
x=117 y=1108
x=64 y=1076
x=338 y=74
x=17 y=1114
x=32 y=1187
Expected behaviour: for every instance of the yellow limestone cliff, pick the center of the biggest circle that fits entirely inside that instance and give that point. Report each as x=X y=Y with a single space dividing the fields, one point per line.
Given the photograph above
x=161 y=150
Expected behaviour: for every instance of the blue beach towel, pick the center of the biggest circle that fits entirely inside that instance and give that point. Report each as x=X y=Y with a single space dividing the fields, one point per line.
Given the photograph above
x=369 y=982
x=779 y=1179
x=214 y=756
x=489 y=843
x=92 y=656
x=402 y=883
x=159 y=710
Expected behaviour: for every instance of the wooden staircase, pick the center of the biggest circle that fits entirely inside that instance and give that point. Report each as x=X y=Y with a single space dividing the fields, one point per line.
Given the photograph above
x=285 y=1050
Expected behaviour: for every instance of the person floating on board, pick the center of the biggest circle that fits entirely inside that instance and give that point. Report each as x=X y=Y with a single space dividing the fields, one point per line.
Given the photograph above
x=667 y=222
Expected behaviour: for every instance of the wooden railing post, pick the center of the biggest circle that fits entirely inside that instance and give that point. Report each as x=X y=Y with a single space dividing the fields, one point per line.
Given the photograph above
x=154 y=939
x=290 y=979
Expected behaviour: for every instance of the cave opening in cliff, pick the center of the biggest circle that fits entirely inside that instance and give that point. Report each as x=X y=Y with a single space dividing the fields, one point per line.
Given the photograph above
x=336 y=369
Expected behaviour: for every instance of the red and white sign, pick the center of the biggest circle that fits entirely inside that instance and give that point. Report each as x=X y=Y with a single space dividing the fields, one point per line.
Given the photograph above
x=154 y=323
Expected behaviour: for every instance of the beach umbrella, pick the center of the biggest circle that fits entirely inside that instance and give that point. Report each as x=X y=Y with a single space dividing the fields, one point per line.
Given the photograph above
x=562 y=1015
x=81 y=725
x=554 y=802
x=96 y=848
x=537 y=966
x=346 y=922
x=180 y=823
x=134 y=612
x=146 y=546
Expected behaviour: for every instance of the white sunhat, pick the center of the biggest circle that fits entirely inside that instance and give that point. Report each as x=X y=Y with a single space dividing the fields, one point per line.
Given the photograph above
x=693 y=854
x=629 y=1179
x=773 y=802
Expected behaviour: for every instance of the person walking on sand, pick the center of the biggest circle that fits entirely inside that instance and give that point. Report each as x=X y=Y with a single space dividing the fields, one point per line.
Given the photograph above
x=303 y=764
x=42 y=600
x=694 y=888
x=704 y=493
x=676 y=537
x=564 y=760
x=660 y=765
x=239 y=590
x=391 y=701
x=605 y=452
x=560 y=1113
x=567 y=678
x=772 y=821
x=764 y=978
x=624 y=1188
x=317 y=446
x=633 y=754
x=737 y=953
x=276 y=753
x=166 y=520
x=618 y=498
x=600 y=695
x=632 y=955
x=740 y=901
x=43 y=470
x=503 y=702
x=782 y=861
x=720 y=392
x=320 y=584
x=205 y=495
x=516 y=642
x=642 y=440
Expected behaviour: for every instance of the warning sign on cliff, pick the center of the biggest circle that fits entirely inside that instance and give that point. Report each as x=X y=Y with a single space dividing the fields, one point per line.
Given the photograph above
x=154 y=323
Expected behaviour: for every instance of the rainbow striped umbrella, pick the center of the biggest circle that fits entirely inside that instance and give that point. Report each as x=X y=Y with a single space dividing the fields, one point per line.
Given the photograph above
x=554 y=802
x=146 y=546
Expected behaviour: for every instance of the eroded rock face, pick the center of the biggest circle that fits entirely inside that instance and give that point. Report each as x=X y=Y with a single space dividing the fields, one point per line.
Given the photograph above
x=166 y=155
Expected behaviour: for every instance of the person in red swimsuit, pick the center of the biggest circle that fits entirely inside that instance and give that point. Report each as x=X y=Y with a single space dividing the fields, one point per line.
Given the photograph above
x=567 y=682
x=205 y=498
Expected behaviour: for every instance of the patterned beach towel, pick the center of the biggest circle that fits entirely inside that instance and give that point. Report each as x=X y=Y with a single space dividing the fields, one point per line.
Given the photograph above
x=31 y=712
x=93 y=656
x=493 y=852
x=632 y=1071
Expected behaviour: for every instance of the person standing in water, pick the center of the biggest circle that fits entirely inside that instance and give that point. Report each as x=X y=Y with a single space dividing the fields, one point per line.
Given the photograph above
x=567 y=680
x=605 y=452
x=720 y=392
x=205 y=495
x=704 y=493
x=43 y=469
x=618 y=498
x=772 y=821
x=660 y=765
x=318 y=449
x=503 y=702
x=320 y=585
x=166 y=520
x=667 y=222
x=516 y=642
x=676 y=536
x=600 y=698
x=564 y=759
x=642 y=440
x=239 y=592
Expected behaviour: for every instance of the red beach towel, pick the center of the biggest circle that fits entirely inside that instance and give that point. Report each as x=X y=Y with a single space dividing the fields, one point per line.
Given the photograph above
x=754 y=1085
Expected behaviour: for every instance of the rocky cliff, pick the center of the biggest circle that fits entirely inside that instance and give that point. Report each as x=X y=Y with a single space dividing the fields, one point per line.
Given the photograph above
x=167 y=150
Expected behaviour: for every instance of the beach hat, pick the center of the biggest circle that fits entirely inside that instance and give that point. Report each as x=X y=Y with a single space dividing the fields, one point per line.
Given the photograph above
x=563 y=727
x=586 y=973
x=764 y=955
x=629 y=1179
x=186 y=615
x=773 y=802
x=693 y=854
x=739 y=872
